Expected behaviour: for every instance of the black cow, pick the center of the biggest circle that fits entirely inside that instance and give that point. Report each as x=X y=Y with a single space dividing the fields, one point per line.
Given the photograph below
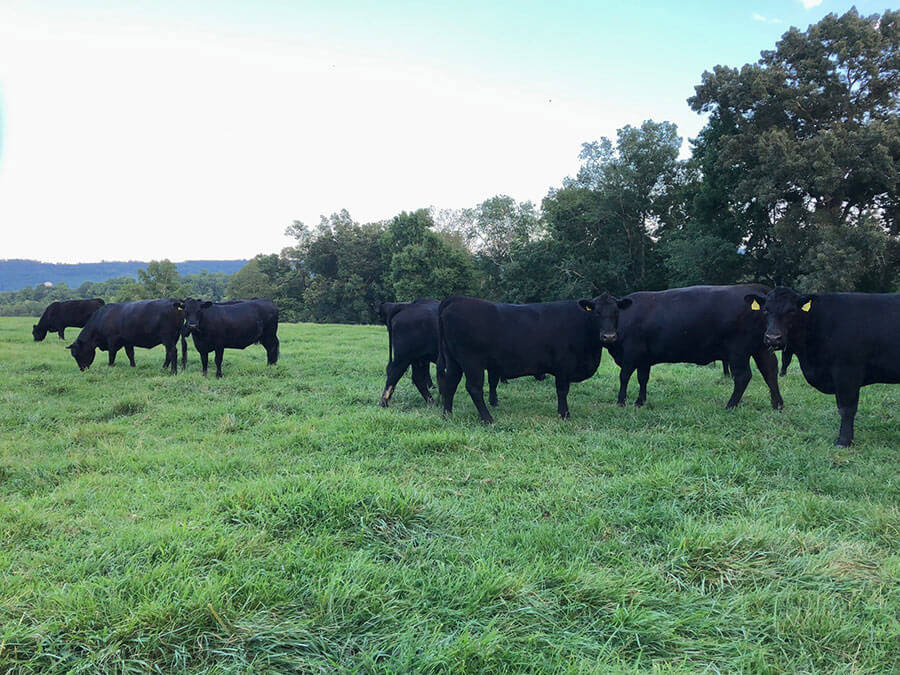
x=698 y=324
x=145 y=323
x=564 y=339
x=231 y=325
x=60 y=315
x=843 y=341
x=412 y=340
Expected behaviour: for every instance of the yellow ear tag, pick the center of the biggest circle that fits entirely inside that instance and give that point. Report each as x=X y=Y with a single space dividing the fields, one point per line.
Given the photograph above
x=754 y=306
x=806 y=307
x=587 y=308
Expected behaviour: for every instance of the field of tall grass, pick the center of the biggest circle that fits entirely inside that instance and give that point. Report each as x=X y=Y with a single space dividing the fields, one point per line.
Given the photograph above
x=278 y=520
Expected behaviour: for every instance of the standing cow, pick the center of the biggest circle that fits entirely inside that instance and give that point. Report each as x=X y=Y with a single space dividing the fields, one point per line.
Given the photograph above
x=698 y=324
x=145 y=323
x=231 y=325
x=60 y=315
x=412 y=340
x=843 y=341
x=564 y=339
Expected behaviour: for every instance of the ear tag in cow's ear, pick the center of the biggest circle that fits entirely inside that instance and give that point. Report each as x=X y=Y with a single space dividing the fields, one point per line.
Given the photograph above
x=754 y=306
x=806 y=307
x=587 y=308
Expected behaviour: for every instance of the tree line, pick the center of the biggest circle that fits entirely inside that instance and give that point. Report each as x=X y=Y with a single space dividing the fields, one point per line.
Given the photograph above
x=793 y=181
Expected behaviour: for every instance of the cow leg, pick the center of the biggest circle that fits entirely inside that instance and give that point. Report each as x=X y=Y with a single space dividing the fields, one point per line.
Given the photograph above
x=204 y=360
x=786 y=356
x=112 y=354
x=129 y=352
x=183 y=354
x=493 y=379
x=449 y=382
x=62 y=333
x=846 y=395
x=220 y=352
x=643 y=376
x=562 y=397
x=740 y=370
x=272 y=348
x=475 y=387
x=420 y=378
x=767 y=363
x=172 y=356
x=724 y=368
x=394 y=370
x=624 y=376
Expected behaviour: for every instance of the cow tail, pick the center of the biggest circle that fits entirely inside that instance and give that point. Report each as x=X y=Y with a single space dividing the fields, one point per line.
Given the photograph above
x=441 y=366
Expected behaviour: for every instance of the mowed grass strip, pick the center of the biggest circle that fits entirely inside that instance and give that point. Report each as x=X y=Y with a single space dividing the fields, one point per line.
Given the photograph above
x=277 y=520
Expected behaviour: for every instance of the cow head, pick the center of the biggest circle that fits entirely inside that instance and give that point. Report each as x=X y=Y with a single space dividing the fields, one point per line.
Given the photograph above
x=193 y=311
x=38 y=332
x=83 y=353
x=606 y=308
x=786 y=314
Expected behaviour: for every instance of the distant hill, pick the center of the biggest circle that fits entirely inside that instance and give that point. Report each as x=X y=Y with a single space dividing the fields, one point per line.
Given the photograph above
x=19 y=274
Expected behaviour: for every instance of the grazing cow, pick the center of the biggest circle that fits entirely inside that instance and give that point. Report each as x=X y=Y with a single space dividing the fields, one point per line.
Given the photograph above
x=145 y=323
x=698 y=324
x=412 y=340
x=60 y=315
x=231 y=325
x=843 y=341
x=564 y=339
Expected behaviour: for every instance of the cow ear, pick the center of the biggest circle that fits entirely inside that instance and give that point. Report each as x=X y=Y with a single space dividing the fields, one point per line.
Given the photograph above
x=71 y=346
x=805 y=302
x=756 y=302
x=206 y=304
x=586 y=305
x=178 y=305
x=624 y=303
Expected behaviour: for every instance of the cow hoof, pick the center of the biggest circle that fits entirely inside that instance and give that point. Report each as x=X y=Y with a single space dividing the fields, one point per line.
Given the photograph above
x=382 y=403
x=621 y=404
x=730 y=406
x=778 y=406
x=638 y=404
x=841 y=443
x=565 y=415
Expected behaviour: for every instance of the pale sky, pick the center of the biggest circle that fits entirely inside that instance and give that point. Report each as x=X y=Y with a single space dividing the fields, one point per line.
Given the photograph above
x=145 y=130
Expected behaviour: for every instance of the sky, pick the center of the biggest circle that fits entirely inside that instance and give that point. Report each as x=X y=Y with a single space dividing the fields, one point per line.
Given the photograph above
x=200 y=130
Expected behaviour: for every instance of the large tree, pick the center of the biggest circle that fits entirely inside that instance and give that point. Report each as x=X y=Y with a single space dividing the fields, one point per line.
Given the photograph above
x=802 y=149
x=605 y=220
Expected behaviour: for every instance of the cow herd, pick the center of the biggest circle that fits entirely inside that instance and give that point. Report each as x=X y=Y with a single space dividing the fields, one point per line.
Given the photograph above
x=214 y=326
x=843 y=341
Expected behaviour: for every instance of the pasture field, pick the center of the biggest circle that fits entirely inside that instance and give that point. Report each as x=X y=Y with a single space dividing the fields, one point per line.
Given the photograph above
x=278 y=520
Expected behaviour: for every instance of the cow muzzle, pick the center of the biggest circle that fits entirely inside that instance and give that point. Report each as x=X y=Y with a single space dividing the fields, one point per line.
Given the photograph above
x=609 y=338
x=774 y=340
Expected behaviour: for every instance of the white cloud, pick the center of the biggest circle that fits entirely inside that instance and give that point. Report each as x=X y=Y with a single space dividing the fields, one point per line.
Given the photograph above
x=765 y=19
x=809 y=4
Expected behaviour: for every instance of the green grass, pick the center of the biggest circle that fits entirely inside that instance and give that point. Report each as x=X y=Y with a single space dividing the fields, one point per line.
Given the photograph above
x=278 y=520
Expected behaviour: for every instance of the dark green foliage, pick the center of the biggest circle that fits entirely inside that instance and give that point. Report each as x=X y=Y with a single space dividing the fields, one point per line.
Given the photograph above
x=802 y=149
